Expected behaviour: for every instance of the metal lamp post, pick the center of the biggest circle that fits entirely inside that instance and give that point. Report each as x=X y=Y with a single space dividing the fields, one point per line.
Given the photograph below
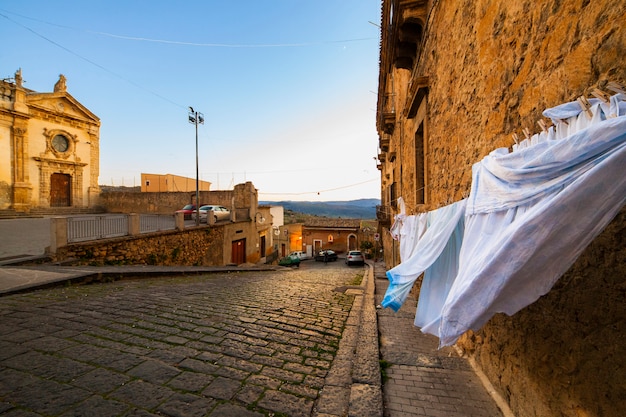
x=196 y=118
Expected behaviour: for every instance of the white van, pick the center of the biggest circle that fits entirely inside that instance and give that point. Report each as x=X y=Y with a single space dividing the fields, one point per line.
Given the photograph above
x=300 y=254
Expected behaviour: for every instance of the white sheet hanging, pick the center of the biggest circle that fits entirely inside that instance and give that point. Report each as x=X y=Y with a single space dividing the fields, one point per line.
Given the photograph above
x=437 y=282
x=441 y=224
x=530 y=214
x=413 y=229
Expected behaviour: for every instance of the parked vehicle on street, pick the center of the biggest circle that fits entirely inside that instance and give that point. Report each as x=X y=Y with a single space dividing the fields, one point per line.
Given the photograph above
x=219 y=213
x=355 y=257
x=290 y=260
x=187 y=210
x=300 y=254
x=328 y=255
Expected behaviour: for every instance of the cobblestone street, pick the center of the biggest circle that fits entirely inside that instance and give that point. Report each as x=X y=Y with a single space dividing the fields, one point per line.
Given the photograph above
x=225 y=344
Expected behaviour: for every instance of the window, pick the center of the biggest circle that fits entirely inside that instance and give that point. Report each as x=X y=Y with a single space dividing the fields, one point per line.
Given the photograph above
x=419 y=165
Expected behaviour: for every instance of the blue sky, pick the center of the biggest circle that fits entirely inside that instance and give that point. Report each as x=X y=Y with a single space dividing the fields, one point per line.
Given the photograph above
x=287 y=87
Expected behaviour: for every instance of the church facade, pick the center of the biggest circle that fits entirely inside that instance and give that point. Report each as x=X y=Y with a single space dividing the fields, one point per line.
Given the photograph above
x=49 y=148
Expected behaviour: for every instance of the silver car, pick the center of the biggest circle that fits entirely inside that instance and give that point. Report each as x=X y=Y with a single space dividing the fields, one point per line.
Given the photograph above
x=219 y=213
x=355 y=257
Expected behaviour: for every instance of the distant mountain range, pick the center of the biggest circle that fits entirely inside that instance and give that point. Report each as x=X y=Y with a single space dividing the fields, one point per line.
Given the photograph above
x=364 y=208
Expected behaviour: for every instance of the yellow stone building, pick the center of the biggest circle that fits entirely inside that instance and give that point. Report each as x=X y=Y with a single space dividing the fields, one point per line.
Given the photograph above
x=461 y=78
x=169 y=183
x=49 y=148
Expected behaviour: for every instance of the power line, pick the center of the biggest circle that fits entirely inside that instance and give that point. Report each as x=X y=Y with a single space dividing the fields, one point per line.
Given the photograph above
x=323 y=191
x=92 y=62
x=200 y=44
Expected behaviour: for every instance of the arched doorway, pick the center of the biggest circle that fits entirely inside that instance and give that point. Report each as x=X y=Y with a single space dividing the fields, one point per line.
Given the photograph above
x=60 y=190
x=352 y=243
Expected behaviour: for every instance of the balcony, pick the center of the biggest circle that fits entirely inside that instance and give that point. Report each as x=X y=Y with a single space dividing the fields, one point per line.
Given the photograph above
x=389 y=121
x=384 y=142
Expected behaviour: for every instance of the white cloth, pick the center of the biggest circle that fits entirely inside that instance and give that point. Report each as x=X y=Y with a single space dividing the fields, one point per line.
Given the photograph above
x=530 y=214
x=437 y=282
x=441 y=224
x=398 y=220
x=413 y=229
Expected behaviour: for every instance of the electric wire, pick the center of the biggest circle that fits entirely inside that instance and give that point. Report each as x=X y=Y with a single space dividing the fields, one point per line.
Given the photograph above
x=186 y=43
x=323 y=191
x=58 y=45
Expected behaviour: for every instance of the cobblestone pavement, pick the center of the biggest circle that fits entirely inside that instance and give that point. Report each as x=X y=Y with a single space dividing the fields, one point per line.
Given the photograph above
x=421 y=380
x=237 y=344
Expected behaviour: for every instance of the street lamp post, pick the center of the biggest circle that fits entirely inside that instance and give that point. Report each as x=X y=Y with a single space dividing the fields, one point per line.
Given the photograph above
x=196 y=118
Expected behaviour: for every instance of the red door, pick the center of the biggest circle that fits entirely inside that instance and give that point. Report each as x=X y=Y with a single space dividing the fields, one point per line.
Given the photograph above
x=238 y=252
x=60 y=186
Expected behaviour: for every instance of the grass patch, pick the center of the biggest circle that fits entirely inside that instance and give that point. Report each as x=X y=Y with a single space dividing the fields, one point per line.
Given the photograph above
x=384 y=365
x=358 y=278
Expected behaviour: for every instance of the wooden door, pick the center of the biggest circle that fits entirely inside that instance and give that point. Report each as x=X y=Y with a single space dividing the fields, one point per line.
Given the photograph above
x=238 y=252
x=60 y=190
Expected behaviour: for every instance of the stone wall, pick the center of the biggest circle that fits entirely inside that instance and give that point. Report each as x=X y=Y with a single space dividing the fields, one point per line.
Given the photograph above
x=508 y=62
x=194 y=247
x=492 y=68
x=242 y=197
x=159 y=203
x=564 y=355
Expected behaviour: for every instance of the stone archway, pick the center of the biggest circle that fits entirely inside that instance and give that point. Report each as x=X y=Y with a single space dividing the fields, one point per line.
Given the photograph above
x=352 y=242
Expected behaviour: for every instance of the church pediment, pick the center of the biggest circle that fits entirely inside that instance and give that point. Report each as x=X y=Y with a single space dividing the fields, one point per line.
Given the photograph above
x=62 y=104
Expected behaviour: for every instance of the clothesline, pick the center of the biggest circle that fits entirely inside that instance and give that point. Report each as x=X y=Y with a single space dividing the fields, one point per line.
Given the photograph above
x=530 y=213
x=558 y=116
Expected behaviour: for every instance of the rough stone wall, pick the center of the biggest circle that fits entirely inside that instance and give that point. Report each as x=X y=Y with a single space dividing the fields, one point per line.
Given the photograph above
x=199 y=247
x=565 y=355
x=494 y=66
x=160 y=203
x=243 y=196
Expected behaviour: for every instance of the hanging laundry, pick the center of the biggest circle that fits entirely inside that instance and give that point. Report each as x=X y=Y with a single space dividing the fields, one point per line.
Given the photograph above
x=412 y=231
x=397 y=220
x=437 y=282
x=530 y=215
x=441 y=224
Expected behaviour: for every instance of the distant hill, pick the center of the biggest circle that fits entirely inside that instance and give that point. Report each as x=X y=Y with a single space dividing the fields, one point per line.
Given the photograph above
x=354 y=209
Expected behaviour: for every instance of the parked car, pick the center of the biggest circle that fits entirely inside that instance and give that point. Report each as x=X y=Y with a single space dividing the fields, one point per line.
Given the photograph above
x=219 y=212
x=290 y=260
x=355 y=257
x=330 y=255
x=301 y=255
x=187 y=210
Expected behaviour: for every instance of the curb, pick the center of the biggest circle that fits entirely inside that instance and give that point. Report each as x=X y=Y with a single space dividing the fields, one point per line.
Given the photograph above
x=353 y=384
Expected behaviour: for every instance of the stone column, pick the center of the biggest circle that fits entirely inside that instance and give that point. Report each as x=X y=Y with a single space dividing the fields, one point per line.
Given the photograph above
x=58 y=233
x=179 y=221
x=22 y=188
x=134 y=225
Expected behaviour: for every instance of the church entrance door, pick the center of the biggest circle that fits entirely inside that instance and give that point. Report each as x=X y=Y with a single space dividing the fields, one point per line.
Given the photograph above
x=60 y=186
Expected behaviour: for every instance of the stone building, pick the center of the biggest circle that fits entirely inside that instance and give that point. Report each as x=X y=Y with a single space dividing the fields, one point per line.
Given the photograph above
x=49 y=148
x=339 y=235
x=457 y=79
x=169 y=183
x=248 y=237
